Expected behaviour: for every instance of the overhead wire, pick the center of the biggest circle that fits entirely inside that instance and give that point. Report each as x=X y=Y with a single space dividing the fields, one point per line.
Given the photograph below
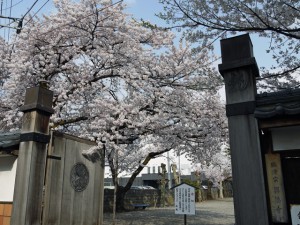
x=7 y=9
x=5 y=15
x=1 y=12
x=79 y=19
x=30 y=9
x=8 y=35
x=7 y=25
x=1 y=6
x=37 y=12
x=84 y=17
x=22 y=18
x=14 y=4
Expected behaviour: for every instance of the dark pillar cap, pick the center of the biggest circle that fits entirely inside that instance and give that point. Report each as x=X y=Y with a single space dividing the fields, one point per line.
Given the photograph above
x=236 y=48
x=237 y=52
x=38 y=98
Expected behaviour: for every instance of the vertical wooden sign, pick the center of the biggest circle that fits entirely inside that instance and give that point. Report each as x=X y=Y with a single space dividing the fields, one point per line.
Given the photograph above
x=295 y=214
x=276 y=188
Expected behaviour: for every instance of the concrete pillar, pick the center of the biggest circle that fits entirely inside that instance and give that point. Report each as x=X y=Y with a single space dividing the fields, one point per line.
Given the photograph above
x=240 y=70
x=28 y=192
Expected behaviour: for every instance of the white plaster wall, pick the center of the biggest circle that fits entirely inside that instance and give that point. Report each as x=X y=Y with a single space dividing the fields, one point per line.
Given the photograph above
x=8 y=166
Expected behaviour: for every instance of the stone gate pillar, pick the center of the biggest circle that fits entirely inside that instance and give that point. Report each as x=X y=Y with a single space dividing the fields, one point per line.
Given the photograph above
x=240 y=70
x=28 y=192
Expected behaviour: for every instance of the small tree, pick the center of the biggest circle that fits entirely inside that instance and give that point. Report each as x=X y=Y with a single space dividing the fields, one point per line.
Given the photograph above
x=216 y=170
x=4 y=56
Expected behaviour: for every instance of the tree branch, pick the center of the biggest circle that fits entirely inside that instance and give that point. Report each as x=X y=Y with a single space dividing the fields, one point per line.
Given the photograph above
x=150 y=156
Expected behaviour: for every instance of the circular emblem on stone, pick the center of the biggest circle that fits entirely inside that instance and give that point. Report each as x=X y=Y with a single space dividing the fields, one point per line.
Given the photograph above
x=79 y=177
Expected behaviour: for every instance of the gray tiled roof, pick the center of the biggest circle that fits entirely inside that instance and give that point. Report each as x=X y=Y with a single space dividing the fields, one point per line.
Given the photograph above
x=9 y=141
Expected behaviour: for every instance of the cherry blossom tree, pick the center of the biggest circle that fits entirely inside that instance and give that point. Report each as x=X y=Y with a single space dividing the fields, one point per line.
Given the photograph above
x=218 y=170
x=278 y=21
x=210 y=156
x=214 y=130
x=117 y=82
x=4 y=52
x=4 y=55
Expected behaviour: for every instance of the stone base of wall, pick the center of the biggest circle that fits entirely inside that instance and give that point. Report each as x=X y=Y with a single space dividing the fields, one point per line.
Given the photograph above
x=144 y=196
x=152 y=198
x=5 y=213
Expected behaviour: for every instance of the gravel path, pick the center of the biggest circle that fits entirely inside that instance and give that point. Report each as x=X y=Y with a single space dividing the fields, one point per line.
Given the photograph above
x=214 y=212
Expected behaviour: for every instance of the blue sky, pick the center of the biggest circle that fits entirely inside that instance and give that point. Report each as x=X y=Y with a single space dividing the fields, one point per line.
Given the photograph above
x=145 y=9
x=139 y=8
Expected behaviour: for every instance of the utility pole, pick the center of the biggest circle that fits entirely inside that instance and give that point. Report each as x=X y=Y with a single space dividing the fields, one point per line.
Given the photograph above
x=15 y=20
x=169 y=171
x=179 y=169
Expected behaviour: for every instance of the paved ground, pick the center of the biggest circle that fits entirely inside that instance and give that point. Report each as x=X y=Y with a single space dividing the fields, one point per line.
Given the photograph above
x=214 y=212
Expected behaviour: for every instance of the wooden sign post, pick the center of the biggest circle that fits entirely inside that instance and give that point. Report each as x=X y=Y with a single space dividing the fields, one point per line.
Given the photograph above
x=184 y=200
x=28 y=192
x=240 y=70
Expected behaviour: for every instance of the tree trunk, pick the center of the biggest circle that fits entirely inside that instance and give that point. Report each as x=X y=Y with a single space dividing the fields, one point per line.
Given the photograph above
x=209 y=187
x=163 y=185
x=221 y=190
x=120 y=201
x=121 y=191
x=176 y=178
x=198 y=192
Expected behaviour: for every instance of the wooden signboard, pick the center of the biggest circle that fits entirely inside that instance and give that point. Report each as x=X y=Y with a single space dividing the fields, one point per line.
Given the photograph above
x=185 y=199
x=276 y=188
x=295 y=214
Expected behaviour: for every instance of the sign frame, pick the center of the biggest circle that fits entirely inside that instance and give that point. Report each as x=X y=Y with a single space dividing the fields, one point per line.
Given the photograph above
x=184 y=199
